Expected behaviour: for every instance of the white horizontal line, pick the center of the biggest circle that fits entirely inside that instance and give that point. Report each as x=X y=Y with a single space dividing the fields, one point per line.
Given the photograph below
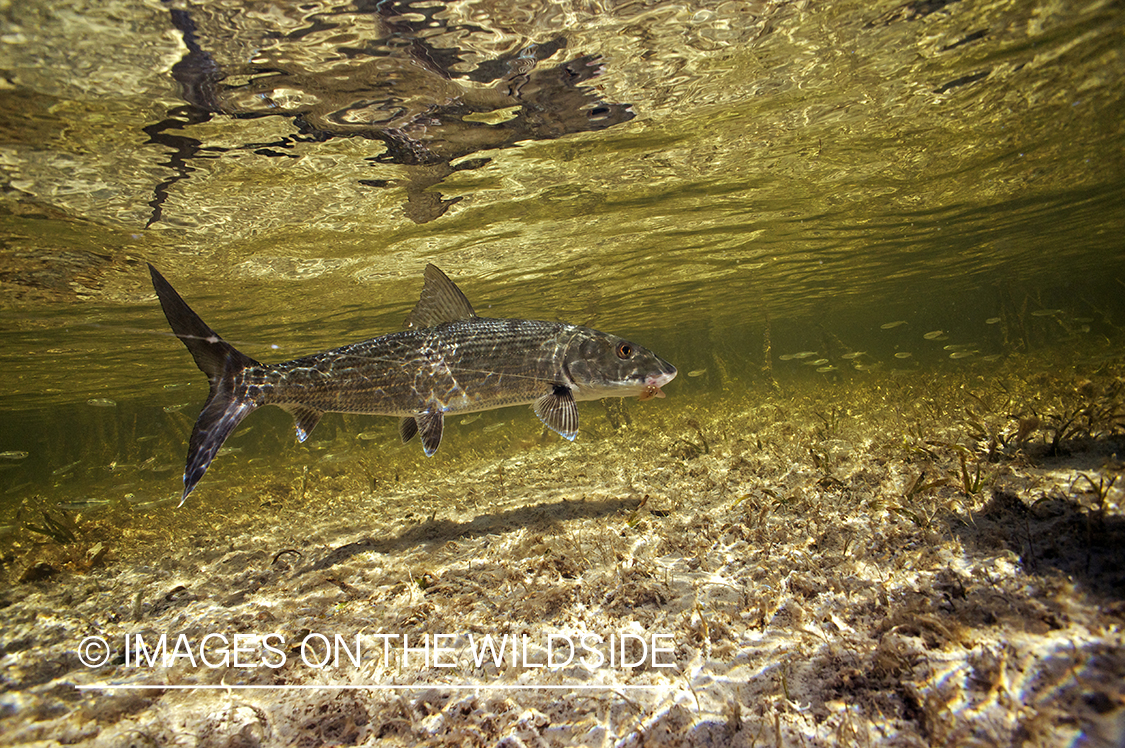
x=345 y=687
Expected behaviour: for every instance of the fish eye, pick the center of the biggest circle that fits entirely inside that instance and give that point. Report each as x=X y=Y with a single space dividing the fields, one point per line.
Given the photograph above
x=624 y=350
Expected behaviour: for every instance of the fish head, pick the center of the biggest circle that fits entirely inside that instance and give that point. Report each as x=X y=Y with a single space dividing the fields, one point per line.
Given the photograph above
x=602 y=365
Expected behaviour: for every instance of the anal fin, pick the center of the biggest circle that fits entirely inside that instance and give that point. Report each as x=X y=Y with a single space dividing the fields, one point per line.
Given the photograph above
x=305 y=418
x=559 y=412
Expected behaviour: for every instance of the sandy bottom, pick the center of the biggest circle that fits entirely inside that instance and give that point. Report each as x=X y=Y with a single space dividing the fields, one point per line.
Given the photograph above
x=922 y=560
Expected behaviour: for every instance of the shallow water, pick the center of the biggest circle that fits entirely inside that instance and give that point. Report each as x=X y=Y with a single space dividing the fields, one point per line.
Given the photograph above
x=830 y=168
x=785 y=200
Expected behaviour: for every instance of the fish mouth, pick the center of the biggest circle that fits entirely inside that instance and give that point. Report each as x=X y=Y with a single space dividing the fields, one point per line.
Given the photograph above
x=655 y=382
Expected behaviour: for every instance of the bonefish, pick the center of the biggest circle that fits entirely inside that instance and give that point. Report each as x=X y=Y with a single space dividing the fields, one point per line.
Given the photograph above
x=447 y=360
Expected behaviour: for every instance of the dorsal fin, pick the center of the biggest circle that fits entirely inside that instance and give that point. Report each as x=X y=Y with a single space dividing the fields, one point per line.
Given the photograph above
x=441 y=301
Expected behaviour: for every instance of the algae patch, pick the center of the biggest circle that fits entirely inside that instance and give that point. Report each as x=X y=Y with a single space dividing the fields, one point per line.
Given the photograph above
x=923 y=560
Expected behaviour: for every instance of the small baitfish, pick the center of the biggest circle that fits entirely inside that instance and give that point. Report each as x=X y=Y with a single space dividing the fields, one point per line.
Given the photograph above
x=448 y=360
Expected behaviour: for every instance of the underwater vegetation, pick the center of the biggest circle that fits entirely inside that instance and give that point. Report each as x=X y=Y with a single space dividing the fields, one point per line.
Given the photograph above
x=911 y=560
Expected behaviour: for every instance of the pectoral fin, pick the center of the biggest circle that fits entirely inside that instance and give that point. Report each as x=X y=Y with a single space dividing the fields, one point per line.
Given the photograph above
x=305 y=417
x=430 y=423
x=558 y=410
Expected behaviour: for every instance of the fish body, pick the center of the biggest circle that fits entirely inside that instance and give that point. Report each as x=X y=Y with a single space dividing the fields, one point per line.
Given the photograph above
x=447 y=361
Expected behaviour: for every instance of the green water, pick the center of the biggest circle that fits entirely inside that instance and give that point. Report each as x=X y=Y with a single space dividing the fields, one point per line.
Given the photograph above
x=816 y=171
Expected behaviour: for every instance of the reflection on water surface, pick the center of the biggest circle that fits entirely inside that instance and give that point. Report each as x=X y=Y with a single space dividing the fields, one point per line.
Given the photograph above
x=382 y=71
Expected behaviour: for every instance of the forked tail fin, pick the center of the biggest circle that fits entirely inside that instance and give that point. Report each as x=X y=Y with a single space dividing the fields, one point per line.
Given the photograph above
x=221 y=362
